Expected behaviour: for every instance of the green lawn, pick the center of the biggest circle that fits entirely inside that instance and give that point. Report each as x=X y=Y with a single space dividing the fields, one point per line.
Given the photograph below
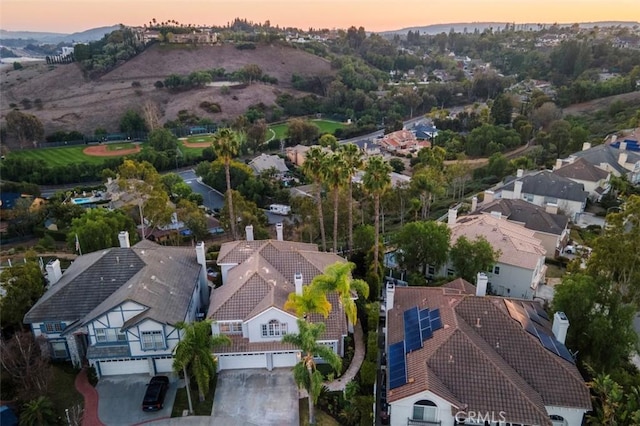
x=203 y=408
x=322 y=418
x=62 y=390
x=60 y=156
x=200 y=138
x=325 y=126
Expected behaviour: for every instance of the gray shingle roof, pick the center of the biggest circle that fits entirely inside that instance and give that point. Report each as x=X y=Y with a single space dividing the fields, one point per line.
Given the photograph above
x=495 y=367
x=581 y=169
x=113 y=351
x=607 y=154
x=533 y=217
x=548 y=184
x=159 y=277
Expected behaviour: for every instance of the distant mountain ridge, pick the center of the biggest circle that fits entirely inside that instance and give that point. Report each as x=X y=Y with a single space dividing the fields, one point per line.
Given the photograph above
x=481 y=26
x=92 y=34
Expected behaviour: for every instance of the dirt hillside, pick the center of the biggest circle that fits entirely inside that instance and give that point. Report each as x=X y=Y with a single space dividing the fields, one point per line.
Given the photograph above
x=68 y=101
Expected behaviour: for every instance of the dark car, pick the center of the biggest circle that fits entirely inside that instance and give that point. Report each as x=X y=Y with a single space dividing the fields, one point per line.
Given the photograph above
x=156 y=391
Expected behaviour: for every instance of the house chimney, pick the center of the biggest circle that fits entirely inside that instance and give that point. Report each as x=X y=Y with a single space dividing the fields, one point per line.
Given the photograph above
x=517 y=190
x=622 y=159
x=481 y=284
x=586 y=146
x=497 y=215
x=453 y=216
x=391 y=290
x=123 y=237
x=54 y=273
x=560 y=326
x=297 y=280
x=551 y=208
x=249 y=231
x=279 y=231
x=201 y=254
x=623 y=146
x=488 y=196
x=519 y=173
x=558 y=164
x=474 y=203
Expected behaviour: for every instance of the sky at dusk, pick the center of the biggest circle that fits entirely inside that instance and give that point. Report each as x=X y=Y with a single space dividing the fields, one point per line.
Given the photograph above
x=68 y=16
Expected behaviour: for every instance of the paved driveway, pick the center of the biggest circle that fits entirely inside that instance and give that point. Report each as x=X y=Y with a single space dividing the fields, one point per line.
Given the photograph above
x=120 y=399
x=256 y=397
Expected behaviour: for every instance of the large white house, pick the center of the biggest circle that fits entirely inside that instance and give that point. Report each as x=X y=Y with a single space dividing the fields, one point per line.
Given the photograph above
x=455 y=357
x=117 y=308
x=257 y=277
x=520 y=267
x=546 y=189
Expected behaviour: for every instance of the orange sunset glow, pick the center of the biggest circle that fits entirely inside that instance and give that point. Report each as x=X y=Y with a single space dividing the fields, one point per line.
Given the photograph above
x=69 y=16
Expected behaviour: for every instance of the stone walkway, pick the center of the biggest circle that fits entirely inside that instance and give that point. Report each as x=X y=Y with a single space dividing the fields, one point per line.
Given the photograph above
x=358 y=357
x=90 y=394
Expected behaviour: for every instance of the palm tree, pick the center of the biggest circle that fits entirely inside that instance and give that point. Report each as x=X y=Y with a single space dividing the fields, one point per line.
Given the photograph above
x=337 y=277
x=310 y=301
x=353 y=159
x=195 y=350
x=312 y=167
x=376 y=181
x=305 y=373
x=38 y=412
x=226 y=144
x=335 y=174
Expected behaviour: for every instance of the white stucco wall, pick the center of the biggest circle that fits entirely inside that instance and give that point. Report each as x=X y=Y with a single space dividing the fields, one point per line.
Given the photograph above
x=254 y=325
x=170 y=334
x=402 y=409
x=572 y=416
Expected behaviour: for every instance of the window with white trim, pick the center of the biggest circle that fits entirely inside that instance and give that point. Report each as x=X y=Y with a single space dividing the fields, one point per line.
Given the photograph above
x=59 y=349
x=557 y=420
x=425 y=410
x=230 y=327
x=274 y=328
x=110 y=335
x=152 y=340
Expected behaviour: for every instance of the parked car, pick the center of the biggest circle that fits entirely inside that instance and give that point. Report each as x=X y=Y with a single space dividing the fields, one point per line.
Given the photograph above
x=156 y=391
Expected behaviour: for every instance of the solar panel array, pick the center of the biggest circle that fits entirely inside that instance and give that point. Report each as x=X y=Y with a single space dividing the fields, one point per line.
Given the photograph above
x=530 y=316
x=397 y=365
x=419 y=326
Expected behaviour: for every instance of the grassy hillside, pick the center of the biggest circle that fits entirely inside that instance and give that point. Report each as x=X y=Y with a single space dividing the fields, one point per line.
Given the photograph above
x=68 y=101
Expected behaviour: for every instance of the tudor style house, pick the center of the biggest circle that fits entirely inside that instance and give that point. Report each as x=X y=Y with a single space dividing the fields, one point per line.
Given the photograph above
x=117 y=308
x=257 y=278
x=455 y=356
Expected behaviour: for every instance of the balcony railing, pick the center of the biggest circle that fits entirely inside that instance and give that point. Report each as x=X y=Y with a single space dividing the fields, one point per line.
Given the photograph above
x=415 y=422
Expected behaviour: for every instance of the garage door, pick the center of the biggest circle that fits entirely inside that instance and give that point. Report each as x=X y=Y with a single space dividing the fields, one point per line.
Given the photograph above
x=128 y=366
x=232 y=362
x=164 y=365
x=284 y=359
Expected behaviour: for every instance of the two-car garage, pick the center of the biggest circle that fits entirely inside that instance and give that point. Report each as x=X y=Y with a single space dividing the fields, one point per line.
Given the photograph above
x=115 y=367
x=266 y=360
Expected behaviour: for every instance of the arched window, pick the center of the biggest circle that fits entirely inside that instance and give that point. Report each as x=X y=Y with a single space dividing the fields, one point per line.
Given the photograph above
x=274 y=328
x=557 y=420
x=425 y=410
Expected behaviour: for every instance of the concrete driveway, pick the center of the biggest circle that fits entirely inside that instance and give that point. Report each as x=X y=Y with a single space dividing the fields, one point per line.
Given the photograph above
x=256 y=397
x=120 y=399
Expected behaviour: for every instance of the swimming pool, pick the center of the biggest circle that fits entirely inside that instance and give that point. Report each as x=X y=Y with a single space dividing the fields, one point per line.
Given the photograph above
x=85 y=200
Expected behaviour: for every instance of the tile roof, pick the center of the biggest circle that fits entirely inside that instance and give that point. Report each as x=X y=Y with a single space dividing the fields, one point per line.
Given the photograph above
x=533 y=217
x=581 y=169
x=546 y=183
x=495 y=367
x=265 y=162
x=264 y=278
x=161 y=278
x=518 y=245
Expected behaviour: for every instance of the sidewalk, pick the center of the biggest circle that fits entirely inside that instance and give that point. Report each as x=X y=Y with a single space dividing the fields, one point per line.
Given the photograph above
x=358 y=357
x=90 y=394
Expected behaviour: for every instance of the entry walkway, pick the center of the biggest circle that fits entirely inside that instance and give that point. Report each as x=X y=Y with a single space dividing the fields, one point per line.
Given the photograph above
x=358 y=357
x=90 y=394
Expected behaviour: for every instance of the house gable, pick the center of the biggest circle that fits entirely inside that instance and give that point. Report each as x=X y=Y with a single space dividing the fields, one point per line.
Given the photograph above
x=271 y=325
